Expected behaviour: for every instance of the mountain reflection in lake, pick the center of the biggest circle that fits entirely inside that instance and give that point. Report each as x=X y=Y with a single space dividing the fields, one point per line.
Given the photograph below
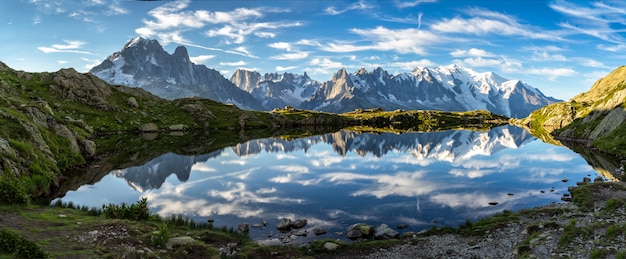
x=339 y=179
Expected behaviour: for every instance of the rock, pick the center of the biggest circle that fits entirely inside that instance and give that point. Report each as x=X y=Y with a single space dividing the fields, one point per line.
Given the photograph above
x=284 y=224
x=264 y=223
x=564 y=180
x=301 y=233
x=178 y=241
x=256 y=225
x=360 y=230
x=243 y=227
x=330 y=246
x=132 y=102
x=598 y=179
x=88 y=147
x=385 y=232
x=149 y=127
x=299 y=223
x=178 y=127
x=319 y=231
x=402 y=226
x=210 y=220
x=5 y=148
x=586 y=180
x=493 y=203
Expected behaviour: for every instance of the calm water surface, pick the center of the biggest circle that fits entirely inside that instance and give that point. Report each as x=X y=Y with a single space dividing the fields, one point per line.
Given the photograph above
x=335 y=180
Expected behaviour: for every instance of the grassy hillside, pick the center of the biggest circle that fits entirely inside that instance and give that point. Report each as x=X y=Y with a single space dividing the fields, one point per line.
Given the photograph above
x=597 y=116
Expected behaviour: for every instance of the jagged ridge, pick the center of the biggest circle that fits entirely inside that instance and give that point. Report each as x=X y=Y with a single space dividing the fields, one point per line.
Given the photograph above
x=144 y=63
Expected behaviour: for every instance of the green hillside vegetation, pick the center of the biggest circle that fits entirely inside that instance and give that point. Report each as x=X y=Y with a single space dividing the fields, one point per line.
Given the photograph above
x=597 y=116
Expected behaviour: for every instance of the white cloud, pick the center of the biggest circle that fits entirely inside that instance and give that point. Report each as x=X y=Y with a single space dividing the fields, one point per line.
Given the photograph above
x=235 y=25
x=233 y=64
x=290 y=56
x=70 y=46
x=410 y=65
x=361 y=5
x=413 y=3
x=308 y=43
x=473 y=52
x=61 y=62
x=487 y=22
x=383 y=39
x=551 y=73
x=545 y=56
x=281 y=68
x=325 y=63
x=280 y=45
x=200 y=59
x=482 y=62
x=592 y=63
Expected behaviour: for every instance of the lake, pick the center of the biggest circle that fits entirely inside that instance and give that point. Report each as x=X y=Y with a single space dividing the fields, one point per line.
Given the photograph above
x=335 y=180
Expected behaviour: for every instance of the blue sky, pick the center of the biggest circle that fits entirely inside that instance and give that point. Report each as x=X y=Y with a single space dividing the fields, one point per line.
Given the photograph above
x=560 y=47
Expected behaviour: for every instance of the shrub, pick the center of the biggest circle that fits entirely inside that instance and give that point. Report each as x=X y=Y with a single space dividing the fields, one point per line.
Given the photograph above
x=137 y=211
x=13 y=243
x=12 y=191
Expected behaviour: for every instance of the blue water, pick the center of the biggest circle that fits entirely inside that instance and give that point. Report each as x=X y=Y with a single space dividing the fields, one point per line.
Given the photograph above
x=335 y=180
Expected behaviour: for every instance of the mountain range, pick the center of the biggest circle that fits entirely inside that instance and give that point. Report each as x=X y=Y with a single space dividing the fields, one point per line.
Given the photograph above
x=143 y=63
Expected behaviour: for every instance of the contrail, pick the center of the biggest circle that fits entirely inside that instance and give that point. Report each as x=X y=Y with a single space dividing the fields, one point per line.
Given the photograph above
x=419 y=20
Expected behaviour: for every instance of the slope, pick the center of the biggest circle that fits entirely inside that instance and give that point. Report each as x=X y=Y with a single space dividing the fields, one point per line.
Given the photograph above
x=597 y=116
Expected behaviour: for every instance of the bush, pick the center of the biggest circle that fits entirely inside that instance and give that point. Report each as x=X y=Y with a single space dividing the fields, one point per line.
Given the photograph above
x=12 y=191
x=13 y=243
x=137 y=211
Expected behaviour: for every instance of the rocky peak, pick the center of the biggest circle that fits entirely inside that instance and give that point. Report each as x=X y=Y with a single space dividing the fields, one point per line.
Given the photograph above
x=245 y=80
x=342 y=73
x=140 y=42
x=181 y=52
x=361 y=71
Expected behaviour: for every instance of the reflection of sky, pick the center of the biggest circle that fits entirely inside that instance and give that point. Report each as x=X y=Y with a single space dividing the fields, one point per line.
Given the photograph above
x=335 y=191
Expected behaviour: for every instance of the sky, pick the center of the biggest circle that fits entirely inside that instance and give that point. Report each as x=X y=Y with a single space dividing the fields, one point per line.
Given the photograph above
x=558 y=46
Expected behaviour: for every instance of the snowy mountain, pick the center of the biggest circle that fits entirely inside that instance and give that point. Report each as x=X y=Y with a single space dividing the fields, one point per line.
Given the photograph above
x=449 y=88
x=275 y=90
x=143 y=63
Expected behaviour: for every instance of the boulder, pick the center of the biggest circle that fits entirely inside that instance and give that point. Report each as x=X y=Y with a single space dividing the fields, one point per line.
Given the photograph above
x=598 y=179
x=88 y=147
x=360 y=230
x=385 y=232
x=299 y=223
x=243 y=227
x=132 y=102
x=284 y=224
x=149 y=127
x=330 y=246
x=178 y=127
x=319 y=231
x=178 y=241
